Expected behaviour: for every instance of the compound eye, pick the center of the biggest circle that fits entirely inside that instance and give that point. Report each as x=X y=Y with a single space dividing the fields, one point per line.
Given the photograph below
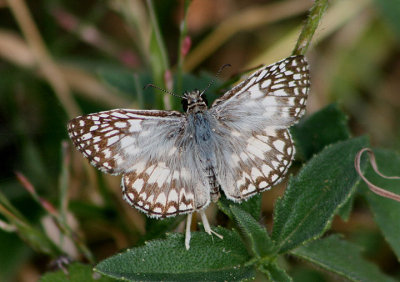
x=184 y=103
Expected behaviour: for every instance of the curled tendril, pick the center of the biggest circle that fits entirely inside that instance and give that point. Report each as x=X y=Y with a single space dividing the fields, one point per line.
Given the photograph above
x=372 y=187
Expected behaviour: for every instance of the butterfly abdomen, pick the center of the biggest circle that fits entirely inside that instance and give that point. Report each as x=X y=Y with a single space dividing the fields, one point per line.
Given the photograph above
x=212 y=180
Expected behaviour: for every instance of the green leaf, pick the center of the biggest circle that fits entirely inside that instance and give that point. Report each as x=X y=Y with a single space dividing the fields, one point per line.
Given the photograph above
x=340 y=257
x=252 y=206
x=209 y=258
x=324 y=127
x=386 y=211
x=275 y=273
x=254 y=234
x=76 y=272
x=313 y=196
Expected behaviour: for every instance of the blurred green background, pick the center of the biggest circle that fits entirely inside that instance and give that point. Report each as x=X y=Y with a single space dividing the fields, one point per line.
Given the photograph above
x=59 y=59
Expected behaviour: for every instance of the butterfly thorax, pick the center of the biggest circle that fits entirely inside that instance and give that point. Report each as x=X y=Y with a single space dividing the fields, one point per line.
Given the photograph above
x=194 y=102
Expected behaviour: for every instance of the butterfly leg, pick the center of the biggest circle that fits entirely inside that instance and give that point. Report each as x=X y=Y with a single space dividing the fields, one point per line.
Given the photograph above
x=206 y=225
x=187 y=234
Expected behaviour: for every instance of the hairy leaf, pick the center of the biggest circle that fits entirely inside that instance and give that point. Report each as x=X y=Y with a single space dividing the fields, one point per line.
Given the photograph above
x=209 y=258
x=313 y=196
x=340 y=257
x=254 y=234
x=275 y=273
x=251 y=206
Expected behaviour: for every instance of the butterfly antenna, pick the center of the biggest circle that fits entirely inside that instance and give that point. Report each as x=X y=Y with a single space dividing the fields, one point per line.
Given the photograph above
x=216 y=76
x=163 y=90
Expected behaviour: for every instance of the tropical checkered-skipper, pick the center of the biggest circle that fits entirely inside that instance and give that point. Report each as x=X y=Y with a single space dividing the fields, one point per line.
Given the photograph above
x=174 y=163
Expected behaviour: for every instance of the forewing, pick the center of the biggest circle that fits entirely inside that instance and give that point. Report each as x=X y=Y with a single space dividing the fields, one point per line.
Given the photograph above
x=114 y=140
x=275 y=94
x=254 y=118
x=152 y=151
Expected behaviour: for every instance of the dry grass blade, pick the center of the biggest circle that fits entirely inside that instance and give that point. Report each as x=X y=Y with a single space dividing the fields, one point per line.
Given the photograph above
x=372 y=187
x=15 y=50
x=46 y=205
x=42 y=57
x=244 y=20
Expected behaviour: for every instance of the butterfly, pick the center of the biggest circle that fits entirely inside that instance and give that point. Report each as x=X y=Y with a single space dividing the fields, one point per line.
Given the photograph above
x=177 y=163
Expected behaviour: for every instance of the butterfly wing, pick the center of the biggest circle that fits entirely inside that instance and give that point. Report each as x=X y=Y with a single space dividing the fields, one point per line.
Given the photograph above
x=276 y=93
x=254 y=118
x=151 y=151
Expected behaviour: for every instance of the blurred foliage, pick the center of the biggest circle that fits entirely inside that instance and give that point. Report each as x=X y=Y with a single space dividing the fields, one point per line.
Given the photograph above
x=61 y=58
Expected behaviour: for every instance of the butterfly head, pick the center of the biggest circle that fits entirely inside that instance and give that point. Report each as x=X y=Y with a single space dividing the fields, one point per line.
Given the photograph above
x=194 y=101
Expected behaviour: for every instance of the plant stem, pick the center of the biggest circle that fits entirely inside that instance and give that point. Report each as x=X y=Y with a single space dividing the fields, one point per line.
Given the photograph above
x=314 y=17
x=183 y=33
x=158 y=55
x=139 y=90
x=157 y=32
x=33 y=236
x=63 y=183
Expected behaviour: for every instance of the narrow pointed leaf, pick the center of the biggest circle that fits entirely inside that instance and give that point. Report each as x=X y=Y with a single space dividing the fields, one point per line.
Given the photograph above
x=342 y=258
x=254 y=234
x=275 y=273
x=209 y=258
x=313 y=197
x=251 y=206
